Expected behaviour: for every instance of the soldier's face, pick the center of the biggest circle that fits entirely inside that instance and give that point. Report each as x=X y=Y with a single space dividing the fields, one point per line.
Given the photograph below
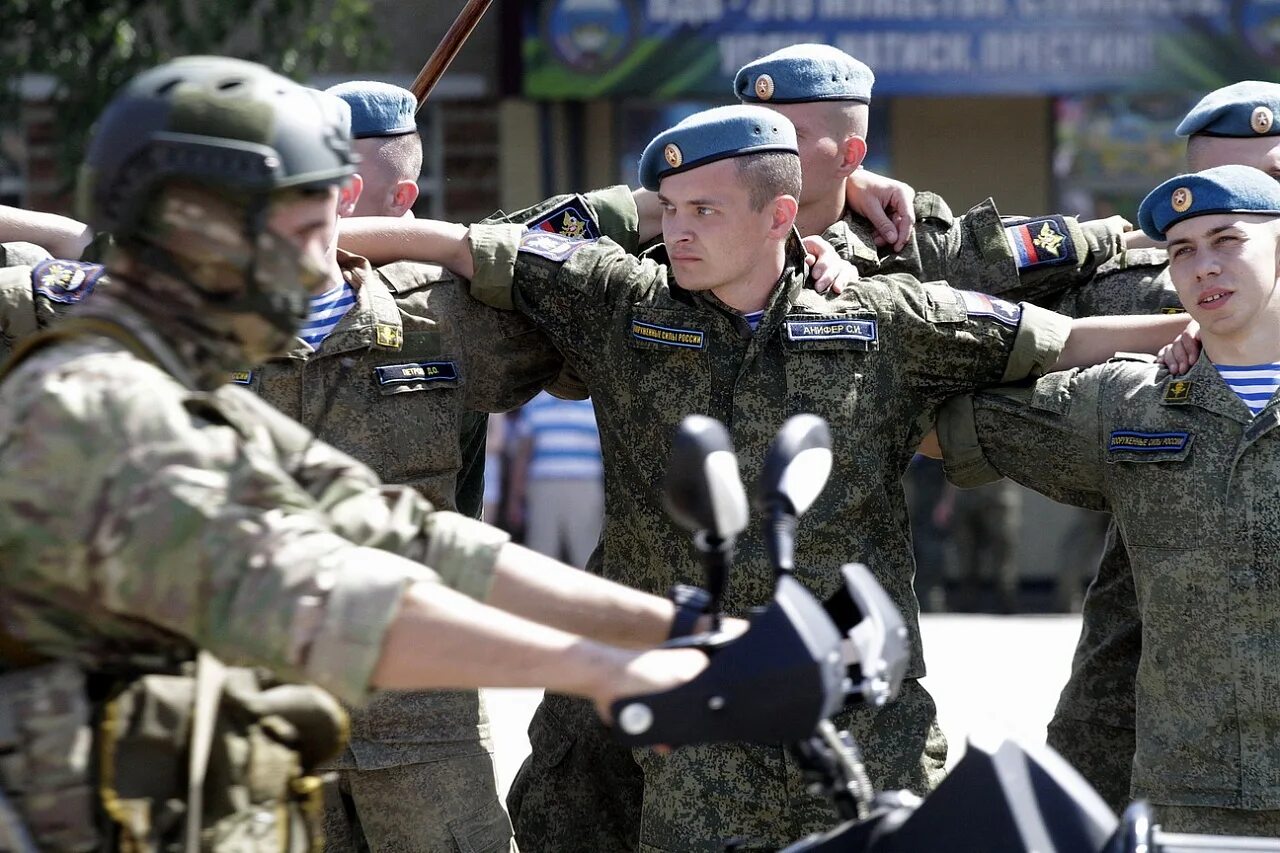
x=712 y=235
x=1261 y=152
x=1225 y=269
x=309 y=223
x=823 y=152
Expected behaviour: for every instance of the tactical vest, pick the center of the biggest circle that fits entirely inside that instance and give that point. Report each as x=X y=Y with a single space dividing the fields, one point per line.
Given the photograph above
x=202 y=757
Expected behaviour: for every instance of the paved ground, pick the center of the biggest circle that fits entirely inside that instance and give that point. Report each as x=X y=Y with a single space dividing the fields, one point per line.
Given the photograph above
x=990 y=675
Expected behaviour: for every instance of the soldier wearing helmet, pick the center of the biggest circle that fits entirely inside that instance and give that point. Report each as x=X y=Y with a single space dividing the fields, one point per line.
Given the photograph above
x=156 y=520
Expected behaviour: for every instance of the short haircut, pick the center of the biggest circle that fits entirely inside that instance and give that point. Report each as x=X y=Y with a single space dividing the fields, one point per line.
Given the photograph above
x=399 y=157
x=768 y=175
x=1195 y=147
x=848 y=118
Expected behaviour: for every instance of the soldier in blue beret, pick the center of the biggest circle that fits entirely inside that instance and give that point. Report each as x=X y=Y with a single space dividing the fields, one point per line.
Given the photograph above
x=1186 y=463
x=718 y=316
x=385 y=132
x=1235 y=124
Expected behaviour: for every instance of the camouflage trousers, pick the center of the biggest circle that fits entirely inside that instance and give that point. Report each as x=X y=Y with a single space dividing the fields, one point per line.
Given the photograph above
x=1215 y=821
x=698 y=797
x=1102 y=754
x=445 y=806
x=579 y=791
x=1093 y=724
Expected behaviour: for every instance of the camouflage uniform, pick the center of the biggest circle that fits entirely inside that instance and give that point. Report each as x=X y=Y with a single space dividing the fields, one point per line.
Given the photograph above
x=147 y=510
x=1092 y=725
x=353 y=394
x=651 y=354
x=578 y=791
x=395 y=385
x=1189 y=474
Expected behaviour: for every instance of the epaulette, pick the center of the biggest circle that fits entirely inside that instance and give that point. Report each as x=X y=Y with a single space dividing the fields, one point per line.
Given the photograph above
x=932 y=206
x=405 y=277
x=1135 y=259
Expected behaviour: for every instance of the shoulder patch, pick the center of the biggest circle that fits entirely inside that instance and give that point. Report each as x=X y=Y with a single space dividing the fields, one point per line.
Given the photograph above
x=242 y=377
x=388 y=336
x=981 y=305
x=1177 y=391
x=1041 y=242
x=550 y=245
x=571 y=219
x=1136 y=441
x=67 y=282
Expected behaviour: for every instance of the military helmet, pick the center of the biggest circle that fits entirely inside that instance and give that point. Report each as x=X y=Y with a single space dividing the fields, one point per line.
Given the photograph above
x=233 y=125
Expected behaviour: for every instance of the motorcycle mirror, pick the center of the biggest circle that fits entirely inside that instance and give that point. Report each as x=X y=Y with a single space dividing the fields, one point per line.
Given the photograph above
x=703 y=490
x=876 y=638
x=796 y=467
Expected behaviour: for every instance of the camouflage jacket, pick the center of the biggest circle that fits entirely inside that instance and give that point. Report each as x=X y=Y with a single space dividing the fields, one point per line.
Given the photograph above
x=400 y=384
x=976 y=250
x=1190 y=477
x=875 y=362
x=1134 y=282
x=140 y=518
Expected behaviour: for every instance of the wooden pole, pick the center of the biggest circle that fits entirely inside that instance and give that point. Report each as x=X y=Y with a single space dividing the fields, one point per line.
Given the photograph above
x=448 y=48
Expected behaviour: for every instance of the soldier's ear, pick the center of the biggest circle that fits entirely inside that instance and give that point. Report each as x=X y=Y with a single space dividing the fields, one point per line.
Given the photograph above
x=349 y=194
x=403 y=197
x=785 y=208
x=854 y=151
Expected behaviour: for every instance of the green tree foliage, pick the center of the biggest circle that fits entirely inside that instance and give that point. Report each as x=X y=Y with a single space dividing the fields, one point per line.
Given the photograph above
x=90 y=47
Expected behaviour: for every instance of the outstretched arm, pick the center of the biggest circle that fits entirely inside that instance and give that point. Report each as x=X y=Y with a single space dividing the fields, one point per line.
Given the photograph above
x=1093 y=340
x=61 y=236
x=384 y=239
x=441 y=638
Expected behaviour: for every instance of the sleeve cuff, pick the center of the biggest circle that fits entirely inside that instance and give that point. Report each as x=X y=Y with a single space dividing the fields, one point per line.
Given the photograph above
x=1042 y=334
x=344 y=649
x=1103 y=241
x=963 y=461
x=493 y=251
x=464 y=552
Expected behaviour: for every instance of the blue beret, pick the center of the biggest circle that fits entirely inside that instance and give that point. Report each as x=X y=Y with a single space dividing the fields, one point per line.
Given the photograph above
x=378 y=109
x=804 y=72
x=712 y=135
x=1245 y=110
x=1222 y=189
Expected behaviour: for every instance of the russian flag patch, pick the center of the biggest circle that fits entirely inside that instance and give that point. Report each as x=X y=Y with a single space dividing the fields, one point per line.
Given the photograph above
x=1041 y=242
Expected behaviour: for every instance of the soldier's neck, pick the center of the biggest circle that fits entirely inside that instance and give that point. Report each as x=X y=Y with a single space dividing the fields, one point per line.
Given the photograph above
x=1241 y=350
x=816 y=216
x=752 y=292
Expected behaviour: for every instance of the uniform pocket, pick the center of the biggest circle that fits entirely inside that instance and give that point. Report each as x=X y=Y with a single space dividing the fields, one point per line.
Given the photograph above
x=487 y=830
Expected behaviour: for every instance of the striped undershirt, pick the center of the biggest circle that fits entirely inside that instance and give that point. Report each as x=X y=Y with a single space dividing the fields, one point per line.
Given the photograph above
x=566 y=442
x=1255 y=383
x=325 y=312
x=753 y=318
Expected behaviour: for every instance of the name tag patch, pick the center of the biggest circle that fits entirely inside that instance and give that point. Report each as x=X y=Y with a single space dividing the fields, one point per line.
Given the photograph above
x=241 y=377
x=668 y=335
x=67 y=282
x=1041 y=243
x=1147 y=442
x=421 y=371
x=549 y=245
x=981 y=305
x=571 y=219
x=831 y=330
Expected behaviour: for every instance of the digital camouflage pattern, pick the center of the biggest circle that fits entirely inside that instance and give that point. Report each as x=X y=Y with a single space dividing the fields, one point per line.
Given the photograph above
x=1189 y=476
x=971 y=251
x=1136 y=281
x=578 y=790
x=1092 y=725
x=908 y=347
x=397 y=384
